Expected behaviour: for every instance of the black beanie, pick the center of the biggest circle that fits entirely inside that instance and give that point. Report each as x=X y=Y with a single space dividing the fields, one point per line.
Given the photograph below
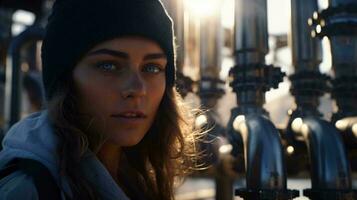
x=76 y=26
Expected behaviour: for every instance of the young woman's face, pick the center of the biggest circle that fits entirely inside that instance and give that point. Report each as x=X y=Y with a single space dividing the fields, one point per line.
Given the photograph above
x=120 y=84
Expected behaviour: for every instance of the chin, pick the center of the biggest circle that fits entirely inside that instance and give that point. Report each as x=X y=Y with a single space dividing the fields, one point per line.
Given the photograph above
x=127 y=140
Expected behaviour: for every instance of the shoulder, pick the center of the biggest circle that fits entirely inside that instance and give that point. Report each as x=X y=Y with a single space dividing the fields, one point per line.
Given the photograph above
x=18 y=185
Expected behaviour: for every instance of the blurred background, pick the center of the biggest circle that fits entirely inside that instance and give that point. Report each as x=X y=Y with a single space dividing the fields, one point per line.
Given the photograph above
x=277 y=79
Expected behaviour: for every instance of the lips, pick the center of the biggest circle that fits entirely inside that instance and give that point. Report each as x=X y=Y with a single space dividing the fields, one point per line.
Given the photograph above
x=130 y=115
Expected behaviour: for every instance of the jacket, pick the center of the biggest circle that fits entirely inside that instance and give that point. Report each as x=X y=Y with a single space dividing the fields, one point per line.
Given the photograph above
x=34 y=138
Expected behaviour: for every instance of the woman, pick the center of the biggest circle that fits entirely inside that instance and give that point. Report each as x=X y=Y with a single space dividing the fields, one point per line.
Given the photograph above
x=115 y=127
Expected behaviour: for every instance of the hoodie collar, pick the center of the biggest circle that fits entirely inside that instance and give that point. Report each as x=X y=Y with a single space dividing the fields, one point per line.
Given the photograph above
x=34 y=138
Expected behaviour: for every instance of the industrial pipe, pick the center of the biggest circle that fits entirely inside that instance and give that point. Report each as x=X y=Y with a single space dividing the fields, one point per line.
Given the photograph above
x=210 y=90
x=329 y=166
x=250 y=79
x=339 y=23
x=265 y=169
x=13 y=82
x=330 y=170
x=177 y=12
x=307 y=83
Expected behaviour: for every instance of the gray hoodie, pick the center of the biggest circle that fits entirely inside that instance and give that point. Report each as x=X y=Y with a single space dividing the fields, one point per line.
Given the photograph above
x=33 y=138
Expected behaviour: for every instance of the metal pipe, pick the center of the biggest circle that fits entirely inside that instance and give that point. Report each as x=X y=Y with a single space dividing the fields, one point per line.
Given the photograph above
x=339 y=23
x=308 y=84
x=13 y=73
x=177 y=12
x=265 y=168
x=335 y=3
x=343 y=46
x=251 y=31
x=263 y=151
x=211 y=44
x=329 y=166
x=306 y=51
x=330 y=170
x=251 y=78
x=211 y=88
x=344 y=62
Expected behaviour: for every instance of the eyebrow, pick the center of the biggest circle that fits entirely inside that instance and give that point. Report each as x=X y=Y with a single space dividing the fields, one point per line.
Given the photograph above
x=124 y=55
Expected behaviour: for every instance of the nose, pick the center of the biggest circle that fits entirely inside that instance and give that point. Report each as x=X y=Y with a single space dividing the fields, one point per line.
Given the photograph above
x=134 y=86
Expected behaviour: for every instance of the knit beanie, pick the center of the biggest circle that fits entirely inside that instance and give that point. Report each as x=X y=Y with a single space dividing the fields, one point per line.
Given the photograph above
x=76 y=26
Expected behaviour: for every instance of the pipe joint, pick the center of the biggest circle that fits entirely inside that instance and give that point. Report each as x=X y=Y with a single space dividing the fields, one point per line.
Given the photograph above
x=255 y=77
x=333 y=21
x=321 y=194
x=309 y=83
x=267 y=194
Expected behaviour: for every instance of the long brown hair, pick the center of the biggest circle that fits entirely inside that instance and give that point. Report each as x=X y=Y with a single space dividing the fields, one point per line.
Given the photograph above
x=166 y=153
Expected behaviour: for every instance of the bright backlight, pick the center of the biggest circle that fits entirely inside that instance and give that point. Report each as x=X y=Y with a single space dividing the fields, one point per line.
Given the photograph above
x=202 y=8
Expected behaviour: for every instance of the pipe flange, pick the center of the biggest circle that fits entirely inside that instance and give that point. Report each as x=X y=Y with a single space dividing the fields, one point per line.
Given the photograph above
x=267 y=194
x=211 y=87
x=340 y=20
x=309 y=75
x=255 y=77
x=330 y=194
x=309 y=83
x=273 y=76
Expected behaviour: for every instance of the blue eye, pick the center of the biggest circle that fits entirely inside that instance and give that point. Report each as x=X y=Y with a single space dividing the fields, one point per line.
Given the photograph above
x=152 y=68
x=107 y=66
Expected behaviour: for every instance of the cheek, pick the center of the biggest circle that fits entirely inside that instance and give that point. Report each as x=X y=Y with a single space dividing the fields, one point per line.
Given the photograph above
x=156 y=92
x=92 y=94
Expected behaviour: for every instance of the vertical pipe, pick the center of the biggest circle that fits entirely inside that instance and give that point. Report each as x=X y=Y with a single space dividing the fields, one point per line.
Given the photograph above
x=177 y=12
x=250 y=48
x=306 y=50
x=339 y=23
x=251 y=78
x=330 y=172
x=210 y=90
x=191 y=42
x=13 y=86
x=308 y=84
x=344 y=46
x=336 y=3
x=344 y=64
x=251 y=32
x=210 y=46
